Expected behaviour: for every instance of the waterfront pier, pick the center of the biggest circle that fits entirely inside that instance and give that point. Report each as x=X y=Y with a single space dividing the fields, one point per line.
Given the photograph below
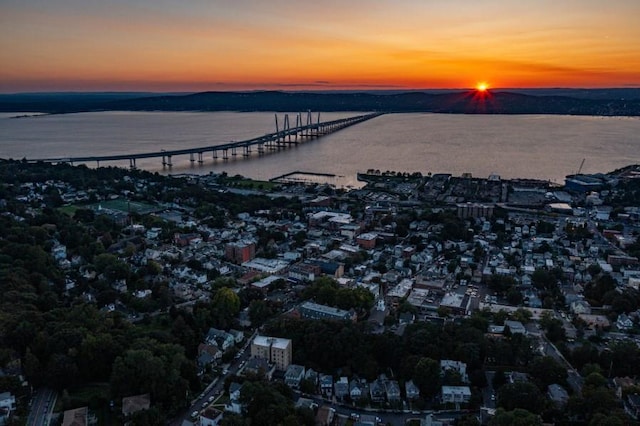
x=285 y=136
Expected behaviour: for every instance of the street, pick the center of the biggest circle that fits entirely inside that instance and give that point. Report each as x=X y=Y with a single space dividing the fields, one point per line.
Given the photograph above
x=42 y=407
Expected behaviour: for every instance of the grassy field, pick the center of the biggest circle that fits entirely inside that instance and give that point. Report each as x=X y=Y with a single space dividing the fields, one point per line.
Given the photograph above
x=69 y=210
x=126 y=206
x=251 y=184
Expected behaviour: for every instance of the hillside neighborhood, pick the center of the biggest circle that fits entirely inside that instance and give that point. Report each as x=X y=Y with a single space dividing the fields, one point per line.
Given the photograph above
x=135 y=298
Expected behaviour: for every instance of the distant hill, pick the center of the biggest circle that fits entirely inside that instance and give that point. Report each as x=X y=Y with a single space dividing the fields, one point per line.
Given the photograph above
x=602 y=102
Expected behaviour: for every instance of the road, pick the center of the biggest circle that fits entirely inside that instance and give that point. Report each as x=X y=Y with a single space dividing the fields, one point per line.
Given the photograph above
x=216 y=388
x=573 y=377
x=393 y=417
x=41 y=408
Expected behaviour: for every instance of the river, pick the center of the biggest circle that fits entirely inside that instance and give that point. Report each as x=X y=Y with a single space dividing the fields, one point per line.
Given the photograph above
x=531 y=146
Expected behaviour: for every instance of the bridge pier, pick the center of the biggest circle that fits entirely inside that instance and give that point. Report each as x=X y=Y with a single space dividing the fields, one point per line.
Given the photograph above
x=225 y=154
x=200 y=160
x=191 y=158
x=215 y=154
x=260 y=148
x=233 y=151
x=166 y=160
x=247 y=150
x=132 y=163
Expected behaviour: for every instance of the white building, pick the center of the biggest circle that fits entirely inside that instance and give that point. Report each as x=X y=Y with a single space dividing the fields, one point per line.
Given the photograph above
x=275 y=350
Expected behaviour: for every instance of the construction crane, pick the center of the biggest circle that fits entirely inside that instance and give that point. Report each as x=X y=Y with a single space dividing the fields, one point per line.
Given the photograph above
x=580 y=168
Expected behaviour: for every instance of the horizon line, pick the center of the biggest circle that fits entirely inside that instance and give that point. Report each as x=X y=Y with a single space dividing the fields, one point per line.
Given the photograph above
x=180 y=92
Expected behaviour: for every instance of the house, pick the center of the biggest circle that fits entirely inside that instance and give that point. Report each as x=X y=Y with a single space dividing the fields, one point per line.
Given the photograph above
x=210 y=417
x=312 y=376
x=412 y=391
x=621 y=384
x=392 y=389
x=7 y=405
x=447 y=365
x=624 y=322
x=326 y=385
x=234 y=405
x=306 y=403
x=324 y=416
x=516 y=327
x=580 y=307
x=220 y=338
x=430 y=420
x=558 y=395
x=207 y=355
x=377 y=390
x=133 y=404
x=406 y=318
x=455 y=394
x=355 y=390
x=76 y=417
x=237 y=335
x=294 y=375
x=632 y=406
x=341 y=388
x=7 y=401
x=258 y=367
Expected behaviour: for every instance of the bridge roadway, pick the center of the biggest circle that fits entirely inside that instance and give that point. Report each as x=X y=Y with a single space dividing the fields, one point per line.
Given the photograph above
x=270 y=141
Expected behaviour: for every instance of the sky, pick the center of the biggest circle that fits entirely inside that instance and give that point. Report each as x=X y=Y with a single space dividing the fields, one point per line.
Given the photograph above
x=198 y=45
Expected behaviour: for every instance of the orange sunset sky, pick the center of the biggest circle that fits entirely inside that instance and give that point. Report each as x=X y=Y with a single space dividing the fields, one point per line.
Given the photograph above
x=196 y=45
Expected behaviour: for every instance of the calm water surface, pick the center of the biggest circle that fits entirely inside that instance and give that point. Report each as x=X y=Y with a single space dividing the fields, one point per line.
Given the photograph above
x=532 y=146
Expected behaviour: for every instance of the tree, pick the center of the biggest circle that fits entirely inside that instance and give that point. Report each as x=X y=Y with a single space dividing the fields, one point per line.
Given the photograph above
x=521 y=395
x=499 y=379
x=517 y=417
x=112 y=267
x=546 y=371
x=266 y=405
x=259 y=312
x=225 y=305
x=426 y=375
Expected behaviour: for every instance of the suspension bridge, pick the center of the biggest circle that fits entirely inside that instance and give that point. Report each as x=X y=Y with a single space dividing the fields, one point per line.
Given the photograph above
x=285 y=136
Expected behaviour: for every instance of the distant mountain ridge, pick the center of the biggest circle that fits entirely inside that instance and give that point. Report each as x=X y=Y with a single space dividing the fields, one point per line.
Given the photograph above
x=623 y=102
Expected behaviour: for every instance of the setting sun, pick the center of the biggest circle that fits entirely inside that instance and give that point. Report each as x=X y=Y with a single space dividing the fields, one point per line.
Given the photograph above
x=482 y=86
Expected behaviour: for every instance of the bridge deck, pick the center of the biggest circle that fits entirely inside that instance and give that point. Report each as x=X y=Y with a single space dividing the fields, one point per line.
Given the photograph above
x=279 y=137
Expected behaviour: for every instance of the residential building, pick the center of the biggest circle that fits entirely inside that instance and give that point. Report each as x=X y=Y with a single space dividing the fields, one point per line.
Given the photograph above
x=356 y=389
x=475 y=210
x=378 y=390
x=324 y=416
x=312 y=310
x=632 y=406
x=558 y=395
x=220 y=338
x=367 y=241
x=624 y=322
x=273 y=349
x=515 y=327
x=456 y=366
x=76 y=417
x=341 y=388
x=326 y=385
x=7 y=401
x=133 y=404
x=455 y=394
x=294 y=375
x=392 y=389
x=412 y=391
x=211 y=417
x=240 y=251
x=234 y=405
